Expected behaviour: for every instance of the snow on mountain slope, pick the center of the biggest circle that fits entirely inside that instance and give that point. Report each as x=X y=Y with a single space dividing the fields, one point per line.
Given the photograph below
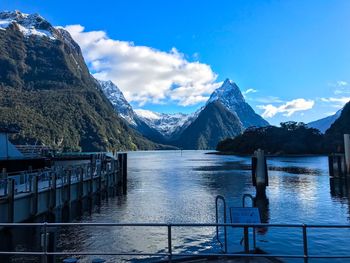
x=29 y=25
x=34 y=25
x=147 y=114
x=231 y=97
x=228 y=94
x=120 y=104
x=166 y=124
x=323 y=124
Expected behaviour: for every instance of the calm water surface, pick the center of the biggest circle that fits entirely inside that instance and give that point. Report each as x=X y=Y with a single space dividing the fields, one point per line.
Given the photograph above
x=170 y=187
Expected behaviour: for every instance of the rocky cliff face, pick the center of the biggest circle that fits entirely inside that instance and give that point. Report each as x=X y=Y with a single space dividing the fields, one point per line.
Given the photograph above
x=231 y=97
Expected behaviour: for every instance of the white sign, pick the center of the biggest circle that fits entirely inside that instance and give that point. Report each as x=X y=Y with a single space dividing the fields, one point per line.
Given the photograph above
x=245 y=215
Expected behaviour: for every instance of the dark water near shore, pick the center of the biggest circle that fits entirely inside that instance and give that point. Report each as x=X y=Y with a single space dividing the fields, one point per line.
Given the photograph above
x=167 y=187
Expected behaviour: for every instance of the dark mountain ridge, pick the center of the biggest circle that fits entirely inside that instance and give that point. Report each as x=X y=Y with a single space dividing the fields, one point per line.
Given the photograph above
x=213 y=124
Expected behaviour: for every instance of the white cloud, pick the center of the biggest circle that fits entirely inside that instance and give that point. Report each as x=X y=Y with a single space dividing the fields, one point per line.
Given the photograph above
x=269 y=99
x=249 y=91
x=145 y=74
x=339 y=83
x=288 y=109
x=336 y=102
x=341 y=87
x=342 y=83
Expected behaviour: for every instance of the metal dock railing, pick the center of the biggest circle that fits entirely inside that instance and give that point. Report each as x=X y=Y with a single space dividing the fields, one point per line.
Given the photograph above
x=44 y=253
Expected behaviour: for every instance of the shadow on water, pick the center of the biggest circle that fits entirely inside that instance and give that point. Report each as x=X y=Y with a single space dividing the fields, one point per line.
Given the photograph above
x=296 y=170
x=263 y=205
x=242 y=166
x=340 y=187
x=225 y=166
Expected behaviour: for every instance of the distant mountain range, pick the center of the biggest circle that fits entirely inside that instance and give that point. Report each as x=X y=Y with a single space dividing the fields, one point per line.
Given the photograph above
x=226 y=114
x=48 y=92
x=325 y=123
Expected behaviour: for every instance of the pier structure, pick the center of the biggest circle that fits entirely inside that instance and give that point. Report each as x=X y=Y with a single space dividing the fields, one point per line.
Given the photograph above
x=339 y=163
x=31 y=193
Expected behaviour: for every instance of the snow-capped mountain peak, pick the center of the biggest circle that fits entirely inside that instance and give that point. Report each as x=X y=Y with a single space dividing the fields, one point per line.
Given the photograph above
x=228 y=94
x=28 y=24
x=116 y=97
x=232 y=98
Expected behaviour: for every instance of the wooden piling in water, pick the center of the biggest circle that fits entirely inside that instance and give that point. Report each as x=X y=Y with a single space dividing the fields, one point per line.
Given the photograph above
x=125 y=173
x=11 y=200
x=91 y=187
x=68 y=189
x=35 y=195
x=347 y=152
x=120 y=172
x=53 y=189
x=81 y=184
x=260 y=177
x=336 y=165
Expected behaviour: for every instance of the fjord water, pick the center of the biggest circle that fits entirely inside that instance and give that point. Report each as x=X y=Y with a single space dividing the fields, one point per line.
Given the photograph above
x=175 y=187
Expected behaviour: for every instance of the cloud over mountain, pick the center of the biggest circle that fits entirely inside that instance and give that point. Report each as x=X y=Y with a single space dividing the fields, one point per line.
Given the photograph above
x=145 y=74
x=288 y=109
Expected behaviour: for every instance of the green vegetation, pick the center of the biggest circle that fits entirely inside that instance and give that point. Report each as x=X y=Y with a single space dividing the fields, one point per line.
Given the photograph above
x=47 y=92
x=290 y=138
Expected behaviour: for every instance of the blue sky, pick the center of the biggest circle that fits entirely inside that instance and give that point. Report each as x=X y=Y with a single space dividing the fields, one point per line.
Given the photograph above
x=294 y=56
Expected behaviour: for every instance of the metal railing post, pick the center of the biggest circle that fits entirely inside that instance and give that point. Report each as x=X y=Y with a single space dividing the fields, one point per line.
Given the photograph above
x=170 y=252
x=44 y=243
x=306 y=254
x=219 y=197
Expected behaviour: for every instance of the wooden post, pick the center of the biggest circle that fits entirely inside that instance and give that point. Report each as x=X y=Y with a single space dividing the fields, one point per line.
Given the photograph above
x=69 y=179
x=120 y=172
x=339 y=166
x=3 y=174
x=108 y=173
x=53 y=191
x=330 y=165
x=81 y=184
x=91 y=181
x=347 y=152
x=10 y=200
x=115 y=175
x=35 y=195
x=100 y=184
x=260 y=174
x=125 y=173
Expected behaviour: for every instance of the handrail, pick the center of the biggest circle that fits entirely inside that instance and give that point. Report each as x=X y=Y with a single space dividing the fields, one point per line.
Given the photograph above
x=244 y=198
x=170 y=254
x=177 y=225
x=220 y=197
